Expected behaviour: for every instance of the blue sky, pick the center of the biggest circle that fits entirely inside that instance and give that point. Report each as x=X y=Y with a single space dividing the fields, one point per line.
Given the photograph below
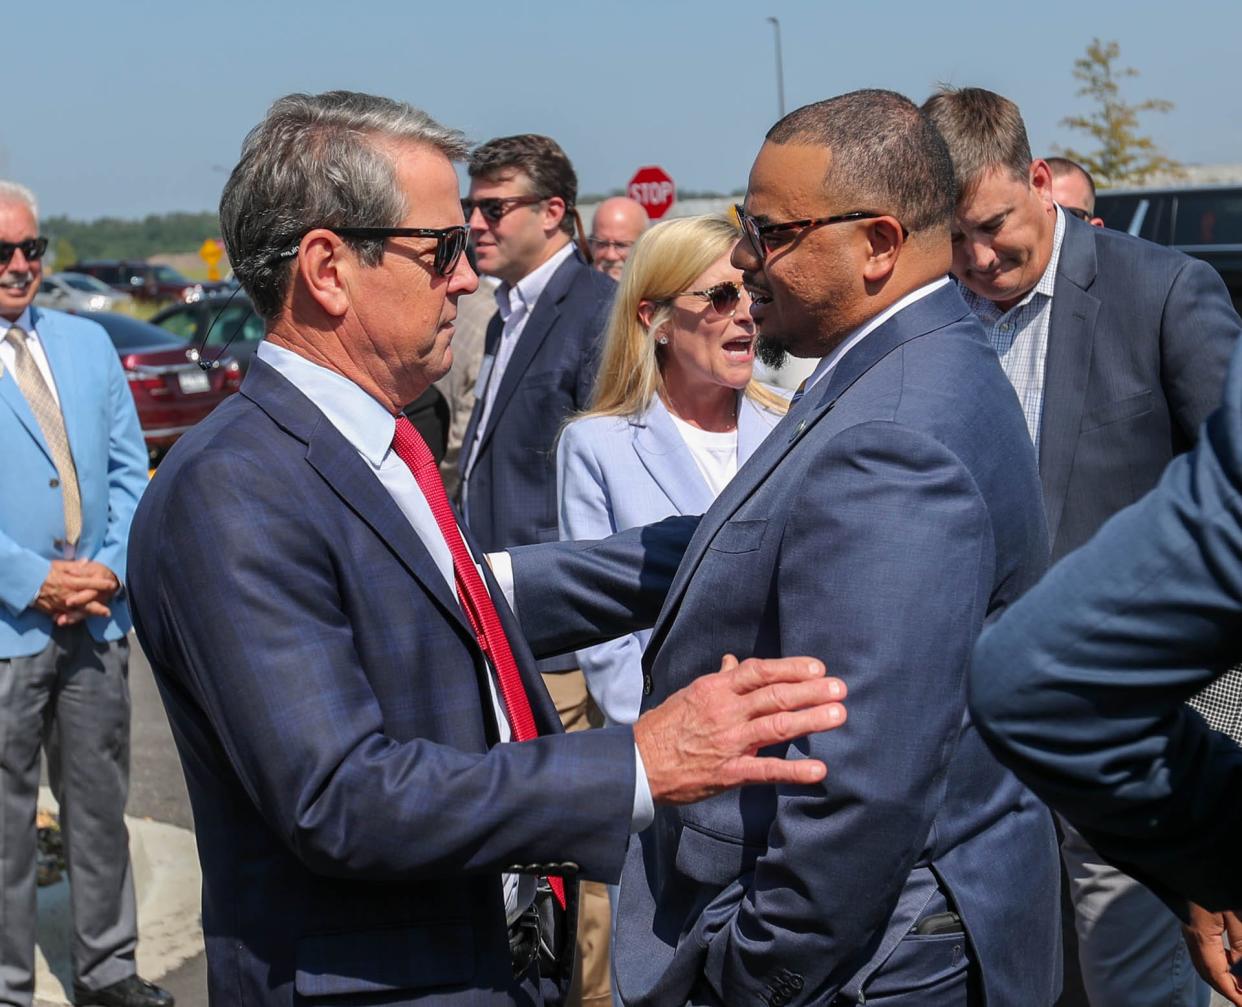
x=134 y=107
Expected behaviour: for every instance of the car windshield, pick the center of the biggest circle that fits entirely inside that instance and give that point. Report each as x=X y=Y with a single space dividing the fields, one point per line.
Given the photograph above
x=166 y=274
x=129 y=335
x=80 y=281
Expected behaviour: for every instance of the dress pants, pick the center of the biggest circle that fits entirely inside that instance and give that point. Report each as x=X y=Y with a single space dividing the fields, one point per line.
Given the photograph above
x=591 y=985
x=1130 y=945
x=72 y=699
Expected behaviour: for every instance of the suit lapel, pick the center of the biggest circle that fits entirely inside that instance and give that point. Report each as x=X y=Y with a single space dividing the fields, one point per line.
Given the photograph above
x=668 y=461
x=753 y=426
x=338 y=463
x=542 y=321
x=1071 y=333
x=12 y=395
x=938 y=309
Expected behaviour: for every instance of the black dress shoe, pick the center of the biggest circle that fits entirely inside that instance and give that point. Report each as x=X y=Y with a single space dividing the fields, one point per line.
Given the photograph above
x=132 y=991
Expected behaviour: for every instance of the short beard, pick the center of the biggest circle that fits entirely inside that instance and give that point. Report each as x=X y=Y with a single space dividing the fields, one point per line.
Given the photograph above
x=771 y=353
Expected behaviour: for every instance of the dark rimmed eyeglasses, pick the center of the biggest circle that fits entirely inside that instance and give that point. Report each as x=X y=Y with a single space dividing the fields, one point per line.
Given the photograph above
x=602 y=244
x=1077 y=211
x=766 y=238
x=495 y=207
x=450 y=242
x=723 y=297
x=32 y=249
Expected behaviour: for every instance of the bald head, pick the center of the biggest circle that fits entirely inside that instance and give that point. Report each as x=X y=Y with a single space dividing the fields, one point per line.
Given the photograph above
x=617 y=224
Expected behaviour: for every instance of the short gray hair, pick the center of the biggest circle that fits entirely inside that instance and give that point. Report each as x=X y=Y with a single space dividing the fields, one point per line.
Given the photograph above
x=317 y=161
x=15 y=192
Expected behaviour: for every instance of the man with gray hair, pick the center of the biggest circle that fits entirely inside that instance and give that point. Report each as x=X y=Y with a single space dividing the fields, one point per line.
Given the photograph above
x=616 y=225
x=1117 y=349
x=386 y=810
x=74 y=466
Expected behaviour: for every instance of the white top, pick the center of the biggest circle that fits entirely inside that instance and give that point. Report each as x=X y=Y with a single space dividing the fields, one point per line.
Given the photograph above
x=714 y=453
x=369 y=427
x=516 y=304
x=8 y=355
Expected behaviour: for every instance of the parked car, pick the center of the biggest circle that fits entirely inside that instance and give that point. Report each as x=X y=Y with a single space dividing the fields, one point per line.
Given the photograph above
x=77 y=292
x=171 y=391
x=1201 y=220
x=144 y=280
x=237 y=321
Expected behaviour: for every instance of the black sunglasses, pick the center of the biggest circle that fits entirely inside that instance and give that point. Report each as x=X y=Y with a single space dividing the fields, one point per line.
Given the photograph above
x=495 y=208
x=450 y=242
x=766 y=238
x=723 y=297
x=1077 y=211
x=32 y=249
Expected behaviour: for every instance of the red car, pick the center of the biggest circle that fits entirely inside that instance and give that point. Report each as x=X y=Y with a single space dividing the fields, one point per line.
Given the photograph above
x=171 y=391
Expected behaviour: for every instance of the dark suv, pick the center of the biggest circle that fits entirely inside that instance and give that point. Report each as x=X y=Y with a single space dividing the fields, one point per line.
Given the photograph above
x=1201 y=220
x=145 y=280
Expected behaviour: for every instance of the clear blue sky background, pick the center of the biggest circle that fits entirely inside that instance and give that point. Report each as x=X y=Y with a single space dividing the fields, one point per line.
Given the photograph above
x=134 y=107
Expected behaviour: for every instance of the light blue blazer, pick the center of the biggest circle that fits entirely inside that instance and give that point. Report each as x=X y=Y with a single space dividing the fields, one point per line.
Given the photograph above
x=614 y=473
x=111 y=459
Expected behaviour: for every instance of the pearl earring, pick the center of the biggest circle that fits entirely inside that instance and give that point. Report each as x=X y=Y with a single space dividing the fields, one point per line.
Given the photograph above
x=662 y=340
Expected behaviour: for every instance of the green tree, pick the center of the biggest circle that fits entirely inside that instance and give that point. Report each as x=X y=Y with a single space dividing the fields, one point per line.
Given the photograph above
x=1122 y=156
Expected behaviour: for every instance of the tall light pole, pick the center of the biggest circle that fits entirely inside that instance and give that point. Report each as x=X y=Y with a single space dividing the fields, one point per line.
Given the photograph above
x=780 y=70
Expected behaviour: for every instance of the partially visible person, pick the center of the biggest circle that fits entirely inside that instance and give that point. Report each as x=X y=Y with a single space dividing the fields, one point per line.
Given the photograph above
x=1117 y=349
x=474 y=311
x=617 y=223
x=539 y=361
x=1081 y=689
x=74 y=465
x=674 y=414
x=1073 y=189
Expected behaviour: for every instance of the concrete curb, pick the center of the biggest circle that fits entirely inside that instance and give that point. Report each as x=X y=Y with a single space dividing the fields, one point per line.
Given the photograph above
x=168 y=885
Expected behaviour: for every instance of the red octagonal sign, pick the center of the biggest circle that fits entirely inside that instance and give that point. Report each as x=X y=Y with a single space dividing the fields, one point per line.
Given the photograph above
x=652 y=187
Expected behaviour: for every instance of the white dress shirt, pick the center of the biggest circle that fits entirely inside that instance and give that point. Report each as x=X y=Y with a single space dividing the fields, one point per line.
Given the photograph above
x=828 y=363
x=8 y=355
x=369 y=427
x=516 y=304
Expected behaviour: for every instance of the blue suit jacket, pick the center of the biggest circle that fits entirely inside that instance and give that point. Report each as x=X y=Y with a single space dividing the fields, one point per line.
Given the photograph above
x=111 y=461
x=886 y=518
x=330 y=707
x=512 y=483
x=1080 y=686
x=618 y=472
x=1139 y=341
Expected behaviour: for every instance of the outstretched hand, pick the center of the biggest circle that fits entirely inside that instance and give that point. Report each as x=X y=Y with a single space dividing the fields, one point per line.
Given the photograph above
x=703 y=739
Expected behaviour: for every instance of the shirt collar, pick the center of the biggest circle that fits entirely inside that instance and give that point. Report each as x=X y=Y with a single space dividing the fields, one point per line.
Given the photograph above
x=826 y=365
x=361 y=419
x=530 y=287
x=1046 y=286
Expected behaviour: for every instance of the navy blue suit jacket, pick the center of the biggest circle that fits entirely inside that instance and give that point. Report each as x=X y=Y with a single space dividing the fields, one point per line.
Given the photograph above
x=512 y=483
x=892 y=512
x=1080 y=687
x=329 y=704
x=1139 y=341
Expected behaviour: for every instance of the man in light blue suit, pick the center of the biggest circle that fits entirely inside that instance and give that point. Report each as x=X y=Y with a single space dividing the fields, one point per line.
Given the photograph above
x=887 y=517
x=74 y=467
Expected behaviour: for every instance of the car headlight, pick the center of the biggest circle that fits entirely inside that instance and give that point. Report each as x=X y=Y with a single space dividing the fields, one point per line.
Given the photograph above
x=98 y=302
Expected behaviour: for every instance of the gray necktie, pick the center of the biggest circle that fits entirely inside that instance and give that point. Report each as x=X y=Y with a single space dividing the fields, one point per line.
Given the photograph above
x=43 y=404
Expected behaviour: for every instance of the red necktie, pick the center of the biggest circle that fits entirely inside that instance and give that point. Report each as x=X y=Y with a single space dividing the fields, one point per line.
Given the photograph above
x=471 y=592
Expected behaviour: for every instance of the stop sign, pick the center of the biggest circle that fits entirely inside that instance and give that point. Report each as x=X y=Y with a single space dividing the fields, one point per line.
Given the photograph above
x=652 y=187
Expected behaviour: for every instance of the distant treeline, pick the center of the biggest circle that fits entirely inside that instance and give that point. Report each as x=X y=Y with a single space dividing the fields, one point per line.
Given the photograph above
x=110 y=238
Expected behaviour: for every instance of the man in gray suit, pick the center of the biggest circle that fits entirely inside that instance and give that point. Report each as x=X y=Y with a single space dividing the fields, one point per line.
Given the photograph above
x=1117 y=349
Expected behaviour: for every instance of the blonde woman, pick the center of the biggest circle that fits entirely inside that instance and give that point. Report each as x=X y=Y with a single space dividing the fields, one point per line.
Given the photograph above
x=674 y=414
